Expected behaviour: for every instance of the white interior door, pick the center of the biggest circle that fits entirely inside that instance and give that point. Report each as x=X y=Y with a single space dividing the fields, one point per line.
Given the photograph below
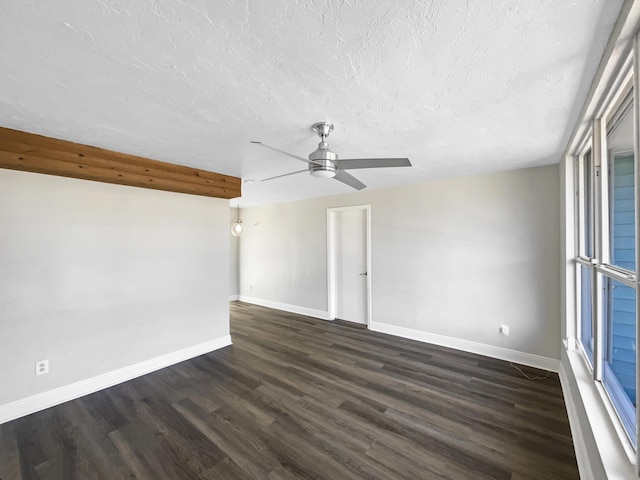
x=350 y=265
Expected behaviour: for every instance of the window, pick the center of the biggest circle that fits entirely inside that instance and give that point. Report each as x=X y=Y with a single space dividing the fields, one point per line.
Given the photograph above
x=586 y=207
x=619 y=299
x=618 y=352
x=619 y=139
x=586 y=312
x=606 y=254
x=586 y=249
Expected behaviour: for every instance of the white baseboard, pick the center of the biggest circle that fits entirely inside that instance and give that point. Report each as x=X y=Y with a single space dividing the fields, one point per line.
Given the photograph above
x=310 y=312
x=41 y=401
x=537 y=361
x=233 y=298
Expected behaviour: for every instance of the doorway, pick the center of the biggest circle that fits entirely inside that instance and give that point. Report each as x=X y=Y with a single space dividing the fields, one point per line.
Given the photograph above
x=349 y=263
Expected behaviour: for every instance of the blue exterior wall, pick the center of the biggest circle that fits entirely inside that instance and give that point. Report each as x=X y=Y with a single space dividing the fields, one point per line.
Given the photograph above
x=623 y=355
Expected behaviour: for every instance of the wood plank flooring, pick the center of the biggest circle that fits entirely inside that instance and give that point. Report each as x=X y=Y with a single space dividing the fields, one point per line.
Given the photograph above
x=300 y=398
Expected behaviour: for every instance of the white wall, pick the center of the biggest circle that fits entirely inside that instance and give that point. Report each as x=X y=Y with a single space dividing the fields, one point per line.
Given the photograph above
x=283 y=253
x=455 y=258
x=98 y=277
x=234 y=258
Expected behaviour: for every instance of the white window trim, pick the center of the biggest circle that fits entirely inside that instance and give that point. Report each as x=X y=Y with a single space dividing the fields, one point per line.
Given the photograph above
x=618 y=457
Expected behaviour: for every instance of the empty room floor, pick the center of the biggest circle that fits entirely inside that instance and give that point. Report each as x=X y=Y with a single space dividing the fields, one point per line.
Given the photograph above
x=299 y=398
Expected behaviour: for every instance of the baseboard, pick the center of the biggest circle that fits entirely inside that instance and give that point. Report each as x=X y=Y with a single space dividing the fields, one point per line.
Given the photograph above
x=310 y=312
x=41 y=401
x=579 y=445
x=234 y=298
x=537 y=361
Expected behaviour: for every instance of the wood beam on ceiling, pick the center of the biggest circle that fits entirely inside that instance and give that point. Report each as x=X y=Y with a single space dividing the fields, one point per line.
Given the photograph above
x=35 y=153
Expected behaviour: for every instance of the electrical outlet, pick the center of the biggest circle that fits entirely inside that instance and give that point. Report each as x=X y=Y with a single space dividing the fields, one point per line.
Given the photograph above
x=42 y=367
x=504 y=330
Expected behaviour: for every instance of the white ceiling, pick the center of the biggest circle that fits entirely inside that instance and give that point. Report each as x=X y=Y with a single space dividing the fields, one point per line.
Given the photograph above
x=459 y=87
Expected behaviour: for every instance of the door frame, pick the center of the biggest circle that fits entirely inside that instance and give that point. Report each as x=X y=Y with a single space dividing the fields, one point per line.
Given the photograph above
x=331 y=257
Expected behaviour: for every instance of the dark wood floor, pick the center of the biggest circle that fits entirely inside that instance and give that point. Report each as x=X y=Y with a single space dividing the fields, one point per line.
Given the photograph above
x=296 y=397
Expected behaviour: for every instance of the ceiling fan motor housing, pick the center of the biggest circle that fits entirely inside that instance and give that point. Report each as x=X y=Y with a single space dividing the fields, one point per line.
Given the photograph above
x=323 y=161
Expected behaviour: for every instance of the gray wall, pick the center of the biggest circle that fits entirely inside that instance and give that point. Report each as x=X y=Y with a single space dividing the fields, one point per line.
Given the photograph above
x=97 y=277
x=455 y=257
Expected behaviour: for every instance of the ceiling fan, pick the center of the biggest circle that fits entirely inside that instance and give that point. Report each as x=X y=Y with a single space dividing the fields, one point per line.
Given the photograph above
x=324 y=163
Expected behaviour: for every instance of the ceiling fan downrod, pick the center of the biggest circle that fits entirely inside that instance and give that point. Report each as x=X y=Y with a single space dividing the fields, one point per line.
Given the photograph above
x=323 y=129
x=322 y=159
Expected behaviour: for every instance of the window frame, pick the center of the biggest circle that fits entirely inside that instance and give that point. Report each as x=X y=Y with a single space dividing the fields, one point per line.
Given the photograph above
x=600 y=266
x=581 y=171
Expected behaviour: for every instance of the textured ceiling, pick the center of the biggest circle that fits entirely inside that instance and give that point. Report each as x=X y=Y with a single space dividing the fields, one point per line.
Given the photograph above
x=459 y=87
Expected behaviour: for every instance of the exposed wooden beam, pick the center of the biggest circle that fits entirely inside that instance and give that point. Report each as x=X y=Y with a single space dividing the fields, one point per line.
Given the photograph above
x=35 y=153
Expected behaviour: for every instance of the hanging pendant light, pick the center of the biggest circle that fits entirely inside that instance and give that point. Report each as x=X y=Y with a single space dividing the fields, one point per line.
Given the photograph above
x=237 y=227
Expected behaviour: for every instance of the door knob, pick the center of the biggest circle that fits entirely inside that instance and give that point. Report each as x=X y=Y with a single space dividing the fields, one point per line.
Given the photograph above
x=365 y=274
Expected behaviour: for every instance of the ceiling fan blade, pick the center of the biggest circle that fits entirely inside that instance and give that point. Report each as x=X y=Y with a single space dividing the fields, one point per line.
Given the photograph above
x=353 y=163
x=285 y=175
x=281 y=151
x=349 y=179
